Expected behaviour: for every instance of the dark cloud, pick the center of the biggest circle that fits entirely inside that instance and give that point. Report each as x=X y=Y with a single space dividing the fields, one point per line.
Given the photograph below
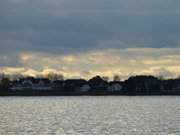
x=68 y=26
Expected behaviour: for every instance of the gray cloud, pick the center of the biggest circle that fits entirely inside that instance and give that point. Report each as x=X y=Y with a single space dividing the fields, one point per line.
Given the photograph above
x=125 y=62
x=68 y=26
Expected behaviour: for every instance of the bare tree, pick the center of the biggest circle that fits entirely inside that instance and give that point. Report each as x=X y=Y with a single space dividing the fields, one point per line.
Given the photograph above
x=60 y=77
x=105 y=78
x=2 y=75
x=5 y=83
x=161 y=77
x=53 y=76
x=15 y=76
x=116 y=78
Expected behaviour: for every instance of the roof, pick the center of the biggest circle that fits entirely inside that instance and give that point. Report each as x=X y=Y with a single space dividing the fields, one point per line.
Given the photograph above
x=75 y=82
x=115 y=82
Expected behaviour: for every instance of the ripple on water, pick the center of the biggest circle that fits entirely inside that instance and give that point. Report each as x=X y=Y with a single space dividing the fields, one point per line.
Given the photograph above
x=89 y=115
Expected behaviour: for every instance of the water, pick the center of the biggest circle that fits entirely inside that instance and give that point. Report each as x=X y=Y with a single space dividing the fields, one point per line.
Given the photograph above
x=90 y=115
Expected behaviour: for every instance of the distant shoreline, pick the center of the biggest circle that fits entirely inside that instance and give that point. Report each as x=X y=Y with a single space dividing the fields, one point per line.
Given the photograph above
x=97 y=86
x=52 y=93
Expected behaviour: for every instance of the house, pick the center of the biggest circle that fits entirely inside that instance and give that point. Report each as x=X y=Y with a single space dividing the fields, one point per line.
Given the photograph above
x=171 y=86
x=84 y=88
x=115 y=86
x=142 y=84
x=16 y=86
x=31 y=84
x=76 y=85
x=22 y=84
x=98 y=85
x=41 y=84
x=58 y=85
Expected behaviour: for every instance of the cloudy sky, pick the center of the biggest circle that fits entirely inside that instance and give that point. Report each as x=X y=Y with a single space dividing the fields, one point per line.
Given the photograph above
x=82 y=38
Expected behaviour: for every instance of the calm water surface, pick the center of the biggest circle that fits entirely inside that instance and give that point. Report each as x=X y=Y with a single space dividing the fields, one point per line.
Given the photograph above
x=90 y=115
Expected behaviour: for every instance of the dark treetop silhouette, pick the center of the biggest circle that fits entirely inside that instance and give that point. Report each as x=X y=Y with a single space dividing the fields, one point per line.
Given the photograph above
x=135 y=85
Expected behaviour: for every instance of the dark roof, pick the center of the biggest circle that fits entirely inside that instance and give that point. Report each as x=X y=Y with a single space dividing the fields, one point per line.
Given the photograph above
x=58 y=82
x=142 y=78
x=75 y=82
x=115 y=82
x=97 y=80
x=46 y=81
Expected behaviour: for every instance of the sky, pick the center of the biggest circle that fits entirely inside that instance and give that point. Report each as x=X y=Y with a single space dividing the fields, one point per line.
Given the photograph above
x=83 y=38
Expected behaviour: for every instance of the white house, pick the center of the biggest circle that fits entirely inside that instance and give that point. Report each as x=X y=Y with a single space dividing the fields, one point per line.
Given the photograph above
x=114 y=87
x=30 y=85
x=26 y=84
x=84 y=88
x=41 y=85
x=16 y=88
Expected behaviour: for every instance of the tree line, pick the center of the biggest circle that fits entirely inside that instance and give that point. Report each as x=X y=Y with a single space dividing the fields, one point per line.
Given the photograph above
x=97 y=85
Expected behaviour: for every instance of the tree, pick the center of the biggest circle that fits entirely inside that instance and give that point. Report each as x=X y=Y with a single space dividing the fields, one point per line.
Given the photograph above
x=60 y=77
x=116 y=78
x=105 y=78
x=16 y=76
x=161 y=77
x=2 y=75
x=54 y=76
x=5 y=83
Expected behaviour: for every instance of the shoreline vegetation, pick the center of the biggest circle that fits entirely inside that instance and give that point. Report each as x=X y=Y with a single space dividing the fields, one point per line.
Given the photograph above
x=96 y=86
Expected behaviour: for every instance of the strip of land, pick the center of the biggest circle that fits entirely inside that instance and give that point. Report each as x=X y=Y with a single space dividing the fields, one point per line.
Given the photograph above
x=135 y=85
